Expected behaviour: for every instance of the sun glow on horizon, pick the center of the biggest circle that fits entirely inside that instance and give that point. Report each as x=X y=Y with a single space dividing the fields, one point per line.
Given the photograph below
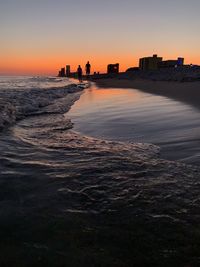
x=39 y=38
x=51 y=65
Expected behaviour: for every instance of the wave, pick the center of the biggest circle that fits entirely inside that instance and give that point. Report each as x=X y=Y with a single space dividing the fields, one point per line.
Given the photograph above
x=16 y=104
x=46 y=79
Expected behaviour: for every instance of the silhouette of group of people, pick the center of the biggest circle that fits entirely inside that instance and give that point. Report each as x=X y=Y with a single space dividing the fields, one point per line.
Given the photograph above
x=80 y=71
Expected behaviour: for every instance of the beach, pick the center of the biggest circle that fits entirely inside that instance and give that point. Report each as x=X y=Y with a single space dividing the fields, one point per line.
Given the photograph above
x=188 y=92
x=100 y=133
x=73 y=200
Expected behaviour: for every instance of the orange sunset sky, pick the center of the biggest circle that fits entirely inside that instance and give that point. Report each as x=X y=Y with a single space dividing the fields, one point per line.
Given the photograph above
x=39 y=37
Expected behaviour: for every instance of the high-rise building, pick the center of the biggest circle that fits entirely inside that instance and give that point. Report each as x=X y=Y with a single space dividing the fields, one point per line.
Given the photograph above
x=62 y=72
x=150 y=63
x=68 y=70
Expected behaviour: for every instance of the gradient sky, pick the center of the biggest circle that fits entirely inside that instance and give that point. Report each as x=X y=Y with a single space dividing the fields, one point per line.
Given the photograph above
x=40 y=36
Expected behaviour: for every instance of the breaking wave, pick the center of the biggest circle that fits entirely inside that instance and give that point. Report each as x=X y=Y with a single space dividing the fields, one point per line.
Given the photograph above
x=28 y=97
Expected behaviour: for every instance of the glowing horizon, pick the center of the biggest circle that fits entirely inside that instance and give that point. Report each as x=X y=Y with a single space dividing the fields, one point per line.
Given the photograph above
x=39 y=37
x=51 y=67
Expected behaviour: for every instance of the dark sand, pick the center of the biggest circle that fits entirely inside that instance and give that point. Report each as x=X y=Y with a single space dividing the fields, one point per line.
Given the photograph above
x=187 y=92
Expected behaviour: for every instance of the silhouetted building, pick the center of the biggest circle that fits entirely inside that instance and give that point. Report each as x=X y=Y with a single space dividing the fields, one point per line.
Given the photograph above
x=113 y=68
x=168 y=64
x=172 y=63
x=61 y=72
x=180 y=61
x=68 y=70
x=150 y=63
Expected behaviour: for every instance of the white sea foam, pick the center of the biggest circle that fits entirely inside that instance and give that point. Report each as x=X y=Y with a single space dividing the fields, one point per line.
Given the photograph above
x=21 y=97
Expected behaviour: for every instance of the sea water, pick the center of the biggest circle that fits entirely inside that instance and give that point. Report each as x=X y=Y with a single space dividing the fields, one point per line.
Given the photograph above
x=66 y=195
x=130 y=115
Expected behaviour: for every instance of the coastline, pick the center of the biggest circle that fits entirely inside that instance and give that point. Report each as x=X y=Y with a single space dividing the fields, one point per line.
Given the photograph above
x=187 y=92
x=86 y=199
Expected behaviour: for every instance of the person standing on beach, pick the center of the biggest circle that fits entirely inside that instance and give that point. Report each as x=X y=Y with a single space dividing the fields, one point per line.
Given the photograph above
x=80 y=74
x=87 y=68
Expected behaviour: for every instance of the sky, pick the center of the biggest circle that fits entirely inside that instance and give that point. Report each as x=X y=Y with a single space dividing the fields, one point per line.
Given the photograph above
x=40 y=36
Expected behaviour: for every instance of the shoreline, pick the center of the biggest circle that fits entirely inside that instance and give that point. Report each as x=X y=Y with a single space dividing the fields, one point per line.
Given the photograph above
x=86 y=198
x=187 y=92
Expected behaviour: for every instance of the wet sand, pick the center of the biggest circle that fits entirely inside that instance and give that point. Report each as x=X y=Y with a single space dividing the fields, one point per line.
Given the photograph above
x=187 y=92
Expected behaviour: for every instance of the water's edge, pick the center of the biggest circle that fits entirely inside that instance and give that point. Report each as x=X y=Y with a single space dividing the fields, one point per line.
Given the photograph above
x=76 y=200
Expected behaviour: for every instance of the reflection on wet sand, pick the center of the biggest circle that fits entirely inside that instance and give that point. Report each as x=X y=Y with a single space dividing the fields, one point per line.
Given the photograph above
x=132 y=115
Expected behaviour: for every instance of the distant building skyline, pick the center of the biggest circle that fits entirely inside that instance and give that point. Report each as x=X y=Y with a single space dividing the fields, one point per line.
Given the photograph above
x=37 y=37
x=154 y=63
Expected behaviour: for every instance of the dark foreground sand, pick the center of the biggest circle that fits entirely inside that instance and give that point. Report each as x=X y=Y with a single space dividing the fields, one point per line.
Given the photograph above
x=188 y=92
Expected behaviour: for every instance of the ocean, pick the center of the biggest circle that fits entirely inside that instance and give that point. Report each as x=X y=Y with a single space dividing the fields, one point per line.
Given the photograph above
x=69 y=197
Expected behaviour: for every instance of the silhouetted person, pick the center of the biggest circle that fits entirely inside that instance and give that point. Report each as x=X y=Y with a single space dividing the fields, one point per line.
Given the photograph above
x=80 y=74
x=87 y=68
